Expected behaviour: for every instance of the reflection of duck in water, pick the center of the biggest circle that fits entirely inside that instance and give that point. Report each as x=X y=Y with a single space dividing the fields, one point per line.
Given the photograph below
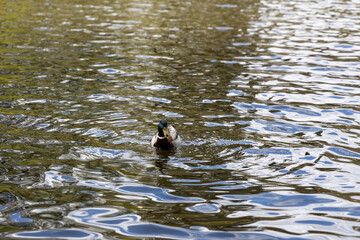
x=167 y=137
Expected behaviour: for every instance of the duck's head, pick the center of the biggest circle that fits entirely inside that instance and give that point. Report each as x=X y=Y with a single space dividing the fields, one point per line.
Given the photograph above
x=162 y=128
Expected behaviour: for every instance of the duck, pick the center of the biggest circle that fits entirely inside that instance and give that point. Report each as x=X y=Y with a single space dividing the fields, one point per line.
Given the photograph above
x=166 y=137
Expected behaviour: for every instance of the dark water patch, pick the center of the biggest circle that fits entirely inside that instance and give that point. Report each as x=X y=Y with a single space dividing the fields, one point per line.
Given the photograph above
x=6 y=198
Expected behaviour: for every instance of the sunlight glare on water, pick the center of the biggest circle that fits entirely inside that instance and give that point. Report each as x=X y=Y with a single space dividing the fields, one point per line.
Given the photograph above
x=265 y=95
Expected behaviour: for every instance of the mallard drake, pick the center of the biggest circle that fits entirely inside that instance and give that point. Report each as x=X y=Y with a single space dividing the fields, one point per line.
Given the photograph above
x=167 y=137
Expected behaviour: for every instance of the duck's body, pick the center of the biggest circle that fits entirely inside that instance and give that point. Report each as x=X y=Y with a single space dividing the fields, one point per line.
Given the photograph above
x=166 y=138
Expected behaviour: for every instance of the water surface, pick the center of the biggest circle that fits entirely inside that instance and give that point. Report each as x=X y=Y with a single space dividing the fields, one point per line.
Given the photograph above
x=265 y=95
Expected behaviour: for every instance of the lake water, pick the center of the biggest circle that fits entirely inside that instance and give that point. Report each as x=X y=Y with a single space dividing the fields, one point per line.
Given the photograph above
x=264 y=93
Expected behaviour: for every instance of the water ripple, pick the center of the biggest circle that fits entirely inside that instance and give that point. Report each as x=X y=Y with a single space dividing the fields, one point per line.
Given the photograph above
x=267 y=151
x=105 y=97
x=155 y=99
x=204 y=208
x=131 y=225
x=281 y=108
x=286 y=127
x=265 y=95
x=90 y=153
x=71 y=233
x=280 y=200
x=344 y=152
x=111 y=71
x=156 y=87
x=155 y=193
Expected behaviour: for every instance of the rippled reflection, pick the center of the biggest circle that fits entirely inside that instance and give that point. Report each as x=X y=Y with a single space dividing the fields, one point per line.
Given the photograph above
x=131 y=225
x=58 y=234
x=264 y=94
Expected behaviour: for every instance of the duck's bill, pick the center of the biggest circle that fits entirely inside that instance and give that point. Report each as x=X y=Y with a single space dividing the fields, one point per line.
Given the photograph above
x=165 y=131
